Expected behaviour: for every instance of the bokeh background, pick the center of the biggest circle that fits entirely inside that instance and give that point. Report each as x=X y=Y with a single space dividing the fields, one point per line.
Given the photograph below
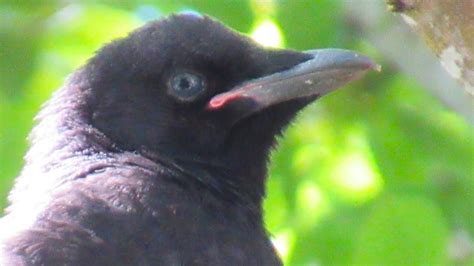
x=378 y=173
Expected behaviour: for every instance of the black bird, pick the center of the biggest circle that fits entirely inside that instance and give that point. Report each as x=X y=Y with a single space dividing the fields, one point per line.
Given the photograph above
x=155 y=151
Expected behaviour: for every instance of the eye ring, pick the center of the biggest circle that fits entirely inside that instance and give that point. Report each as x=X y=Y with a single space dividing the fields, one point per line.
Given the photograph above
x=186 y=86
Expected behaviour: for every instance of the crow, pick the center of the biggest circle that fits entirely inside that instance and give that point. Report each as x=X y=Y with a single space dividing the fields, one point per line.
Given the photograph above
x=155 y=151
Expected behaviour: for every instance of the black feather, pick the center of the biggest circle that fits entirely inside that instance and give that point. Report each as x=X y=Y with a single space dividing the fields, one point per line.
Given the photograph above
x=120 y=173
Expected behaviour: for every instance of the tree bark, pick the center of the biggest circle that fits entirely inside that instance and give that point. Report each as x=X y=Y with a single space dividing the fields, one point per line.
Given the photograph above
x=447 y=26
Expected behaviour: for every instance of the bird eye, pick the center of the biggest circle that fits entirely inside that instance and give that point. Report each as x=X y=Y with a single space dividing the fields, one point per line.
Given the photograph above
x=186 y=87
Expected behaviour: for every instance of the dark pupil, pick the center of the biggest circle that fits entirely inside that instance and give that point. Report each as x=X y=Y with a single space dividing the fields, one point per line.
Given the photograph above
x=186 y=86
x=184 y=83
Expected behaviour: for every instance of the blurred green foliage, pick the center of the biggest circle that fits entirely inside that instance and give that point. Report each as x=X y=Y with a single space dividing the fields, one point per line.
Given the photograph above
x=379 y=173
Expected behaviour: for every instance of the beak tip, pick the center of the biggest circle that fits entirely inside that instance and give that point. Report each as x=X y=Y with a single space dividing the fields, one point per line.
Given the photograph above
x=368 y=63
x=377 y=68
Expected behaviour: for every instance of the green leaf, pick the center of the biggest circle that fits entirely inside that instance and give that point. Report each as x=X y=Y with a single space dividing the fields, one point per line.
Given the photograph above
x=403 y=230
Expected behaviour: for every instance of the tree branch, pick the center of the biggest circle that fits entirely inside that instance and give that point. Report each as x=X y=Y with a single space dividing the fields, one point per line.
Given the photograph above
x=401 y=46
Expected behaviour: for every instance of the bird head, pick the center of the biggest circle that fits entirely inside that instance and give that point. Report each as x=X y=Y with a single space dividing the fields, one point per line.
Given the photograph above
x=190 y=89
